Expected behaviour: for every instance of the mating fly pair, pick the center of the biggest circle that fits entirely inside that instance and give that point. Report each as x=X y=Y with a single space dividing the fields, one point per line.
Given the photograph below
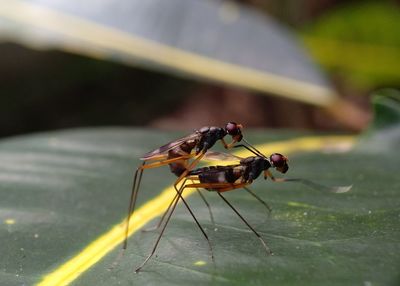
x=214 y=178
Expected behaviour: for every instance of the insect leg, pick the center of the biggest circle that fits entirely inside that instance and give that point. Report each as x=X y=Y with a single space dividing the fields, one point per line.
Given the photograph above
x=208 y=206
x=169 y=206
x=258 y=198
x=197 y=222
x=249 y=226
x=162 y=232
x=166 y=162
x=131 y=209
x=230 y=145
x=204 y=200
x=220 y=187
x=136 y=185
x=163 y=216
x=189 y=168
x=132 y=201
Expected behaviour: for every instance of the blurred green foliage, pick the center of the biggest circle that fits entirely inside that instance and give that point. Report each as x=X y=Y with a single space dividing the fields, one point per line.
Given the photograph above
x=359 y=42
x=383 y=133
x=386 y=108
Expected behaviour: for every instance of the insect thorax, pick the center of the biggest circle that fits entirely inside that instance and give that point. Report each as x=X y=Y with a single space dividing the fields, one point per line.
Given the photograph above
x=254 y=166
x=209 y=135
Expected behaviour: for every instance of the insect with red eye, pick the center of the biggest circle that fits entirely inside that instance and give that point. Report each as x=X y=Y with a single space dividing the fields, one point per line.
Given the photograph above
x=221 y=179
x=177 y=154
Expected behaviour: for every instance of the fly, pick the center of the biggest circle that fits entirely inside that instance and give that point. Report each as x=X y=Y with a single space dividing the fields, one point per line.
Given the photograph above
x=222 y=179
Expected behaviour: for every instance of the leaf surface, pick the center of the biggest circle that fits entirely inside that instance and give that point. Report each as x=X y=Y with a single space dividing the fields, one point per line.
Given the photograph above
x=60 y=191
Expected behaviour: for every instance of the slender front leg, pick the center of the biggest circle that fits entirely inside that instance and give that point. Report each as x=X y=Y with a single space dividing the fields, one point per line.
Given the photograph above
x=230 y=145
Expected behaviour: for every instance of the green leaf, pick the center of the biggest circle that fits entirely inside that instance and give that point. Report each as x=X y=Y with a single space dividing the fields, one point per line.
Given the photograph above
x=358 y=41
x=384 y=131
x=387 y=108
x=60 y=191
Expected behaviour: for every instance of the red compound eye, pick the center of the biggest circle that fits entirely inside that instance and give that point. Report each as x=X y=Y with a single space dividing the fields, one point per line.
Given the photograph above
x=279 y=162
x=233 y=129
x=277 y=159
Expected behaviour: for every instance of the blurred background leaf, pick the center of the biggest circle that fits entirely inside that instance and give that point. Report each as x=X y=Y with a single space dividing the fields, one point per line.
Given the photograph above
x=201 y=39
x=384 y=132
x=360 y=42
x=90 y=64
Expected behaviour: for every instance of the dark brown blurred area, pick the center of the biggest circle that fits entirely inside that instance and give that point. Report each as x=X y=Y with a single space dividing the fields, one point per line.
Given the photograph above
x=218 y=105
x=45 y=90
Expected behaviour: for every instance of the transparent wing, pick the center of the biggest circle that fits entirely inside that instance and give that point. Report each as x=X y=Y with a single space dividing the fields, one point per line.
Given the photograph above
x=220 y=156
x=171 y=145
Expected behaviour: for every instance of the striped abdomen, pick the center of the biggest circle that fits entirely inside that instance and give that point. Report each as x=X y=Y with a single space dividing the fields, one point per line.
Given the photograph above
x=218 y=174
